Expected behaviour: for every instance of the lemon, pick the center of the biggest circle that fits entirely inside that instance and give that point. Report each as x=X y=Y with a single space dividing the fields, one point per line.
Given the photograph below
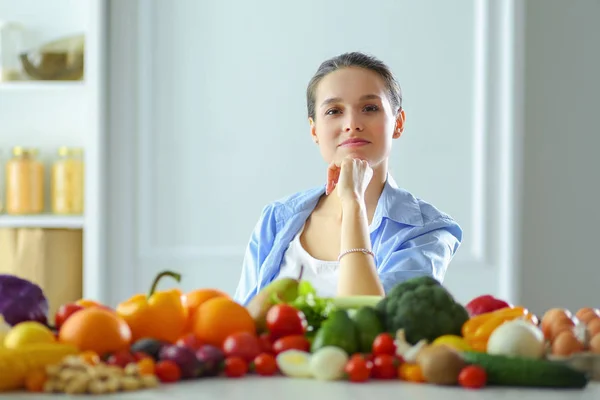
x=453 y=341
x=28 y=332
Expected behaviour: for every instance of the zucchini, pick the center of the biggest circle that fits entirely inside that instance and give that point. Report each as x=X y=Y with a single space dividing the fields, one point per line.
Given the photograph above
x=526 y=372
x=355 y=302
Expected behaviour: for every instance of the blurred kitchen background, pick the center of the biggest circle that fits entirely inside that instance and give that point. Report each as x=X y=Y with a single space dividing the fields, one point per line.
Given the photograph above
x=142 y=135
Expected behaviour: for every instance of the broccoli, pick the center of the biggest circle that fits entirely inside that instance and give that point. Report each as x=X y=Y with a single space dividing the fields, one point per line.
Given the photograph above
x=423 y=308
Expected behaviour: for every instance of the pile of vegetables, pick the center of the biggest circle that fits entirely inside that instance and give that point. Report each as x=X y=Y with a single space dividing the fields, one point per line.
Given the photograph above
x=417 y=333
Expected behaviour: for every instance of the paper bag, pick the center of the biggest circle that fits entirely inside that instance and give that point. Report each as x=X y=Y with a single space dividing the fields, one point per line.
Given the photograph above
x=51 y=258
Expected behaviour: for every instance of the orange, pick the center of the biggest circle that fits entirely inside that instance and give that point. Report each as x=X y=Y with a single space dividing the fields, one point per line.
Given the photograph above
x=192 y=300
x=96 y=329
x=195 y=298
x=220 y=317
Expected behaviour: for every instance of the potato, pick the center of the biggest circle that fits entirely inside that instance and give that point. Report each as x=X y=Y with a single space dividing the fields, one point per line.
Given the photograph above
x=440 y=364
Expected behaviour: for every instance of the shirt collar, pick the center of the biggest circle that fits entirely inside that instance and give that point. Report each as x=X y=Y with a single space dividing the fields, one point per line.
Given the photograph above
x=398 y=205
x=394 y=203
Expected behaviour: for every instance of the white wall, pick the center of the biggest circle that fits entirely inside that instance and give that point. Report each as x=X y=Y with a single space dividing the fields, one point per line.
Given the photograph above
x=207 y=102
x=561 y=194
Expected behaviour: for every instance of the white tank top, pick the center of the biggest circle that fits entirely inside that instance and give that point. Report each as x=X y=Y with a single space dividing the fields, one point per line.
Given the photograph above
x=322 y=275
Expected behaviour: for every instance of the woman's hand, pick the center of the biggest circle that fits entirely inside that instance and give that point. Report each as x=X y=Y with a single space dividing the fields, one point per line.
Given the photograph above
x=351 y=177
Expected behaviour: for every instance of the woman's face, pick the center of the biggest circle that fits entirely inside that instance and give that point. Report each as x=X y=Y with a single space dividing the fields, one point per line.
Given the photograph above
x=353 y=116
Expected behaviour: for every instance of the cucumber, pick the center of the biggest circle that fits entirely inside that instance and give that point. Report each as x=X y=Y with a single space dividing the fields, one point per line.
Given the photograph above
x=520 y=371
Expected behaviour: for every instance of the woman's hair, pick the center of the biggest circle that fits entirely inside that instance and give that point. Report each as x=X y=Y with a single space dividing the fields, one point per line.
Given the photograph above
x=359 y=60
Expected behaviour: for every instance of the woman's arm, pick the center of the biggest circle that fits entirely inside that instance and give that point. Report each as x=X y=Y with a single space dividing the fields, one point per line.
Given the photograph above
x=428 y=250
x=357 y=270
x=260 y=244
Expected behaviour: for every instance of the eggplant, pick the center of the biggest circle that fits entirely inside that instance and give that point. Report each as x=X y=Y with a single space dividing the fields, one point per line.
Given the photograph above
x=148 y=346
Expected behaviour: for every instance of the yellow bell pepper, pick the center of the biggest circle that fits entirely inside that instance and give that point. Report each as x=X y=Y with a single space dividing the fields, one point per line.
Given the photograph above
x=159 y=315
x=478 y=329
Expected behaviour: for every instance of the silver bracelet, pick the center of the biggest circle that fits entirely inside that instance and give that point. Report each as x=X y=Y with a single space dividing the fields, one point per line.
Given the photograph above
x=365 y=251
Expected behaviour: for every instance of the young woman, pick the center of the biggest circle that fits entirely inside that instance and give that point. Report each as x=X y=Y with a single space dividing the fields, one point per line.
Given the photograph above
x=359 y=234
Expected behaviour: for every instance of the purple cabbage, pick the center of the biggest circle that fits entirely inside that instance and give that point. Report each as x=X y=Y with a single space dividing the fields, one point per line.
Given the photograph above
x=22 y=300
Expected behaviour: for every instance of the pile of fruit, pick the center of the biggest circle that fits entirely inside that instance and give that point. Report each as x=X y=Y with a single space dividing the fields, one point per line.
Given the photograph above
x=417 y=333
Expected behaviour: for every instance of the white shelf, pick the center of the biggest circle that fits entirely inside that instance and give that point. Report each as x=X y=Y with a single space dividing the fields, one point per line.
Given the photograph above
x=47 y=114
x=41 y=85
x=41 y=221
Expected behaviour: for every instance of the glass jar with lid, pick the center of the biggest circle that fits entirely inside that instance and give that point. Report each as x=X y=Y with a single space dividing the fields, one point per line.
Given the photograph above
x=68 y=174
x=12 y=36
x=24 y=182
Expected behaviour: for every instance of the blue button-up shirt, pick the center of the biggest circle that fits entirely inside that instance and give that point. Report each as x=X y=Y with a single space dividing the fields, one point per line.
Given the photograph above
x=409 y=237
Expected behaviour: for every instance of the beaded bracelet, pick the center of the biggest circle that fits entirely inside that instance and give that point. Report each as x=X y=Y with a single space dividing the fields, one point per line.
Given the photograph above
x=365 y=251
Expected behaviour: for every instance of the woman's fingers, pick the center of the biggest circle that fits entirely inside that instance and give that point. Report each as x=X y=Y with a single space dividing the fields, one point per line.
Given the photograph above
x=333 y=174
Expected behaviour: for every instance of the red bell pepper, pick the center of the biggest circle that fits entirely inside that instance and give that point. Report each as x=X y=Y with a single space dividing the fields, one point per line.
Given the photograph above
x=484 y=304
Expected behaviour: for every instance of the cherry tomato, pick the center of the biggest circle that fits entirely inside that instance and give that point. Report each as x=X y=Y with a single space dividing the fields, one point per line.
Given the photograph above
x=64 y=312
x=167 y=371
x=265 y=364
x=146 y=366
x=472 y=377
x=235 y=367
x=296 y=342
x=265 y=343
x=139 y=355
x=242 y=344
x=384 y=367
x=285 y=320
x=357 y=369
x=121 y=359
x=411 y=373
x=384 y=344
x=368 y=358
x=190 y=341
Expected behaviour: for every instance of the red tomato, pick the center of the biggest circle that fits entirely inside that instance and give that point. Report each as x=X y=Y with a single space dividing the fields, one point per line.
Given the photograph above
x=368 y=358
x=242 y=344
x=285 y=320
x=384 y=344
x=235 y=367
x=296 y=342
x=472 y=377
x=190 y=341
x=265 y=364
x=167 y=371
x=384 y=367
x=121 y=359
x=357 y=369
x=64 y=312
x=266 y=345
x=138 y=356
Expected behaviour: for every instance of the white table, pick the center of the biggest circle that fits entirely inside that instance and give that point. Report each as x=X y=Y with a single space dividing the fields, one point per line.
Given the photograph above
x=252 y=387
